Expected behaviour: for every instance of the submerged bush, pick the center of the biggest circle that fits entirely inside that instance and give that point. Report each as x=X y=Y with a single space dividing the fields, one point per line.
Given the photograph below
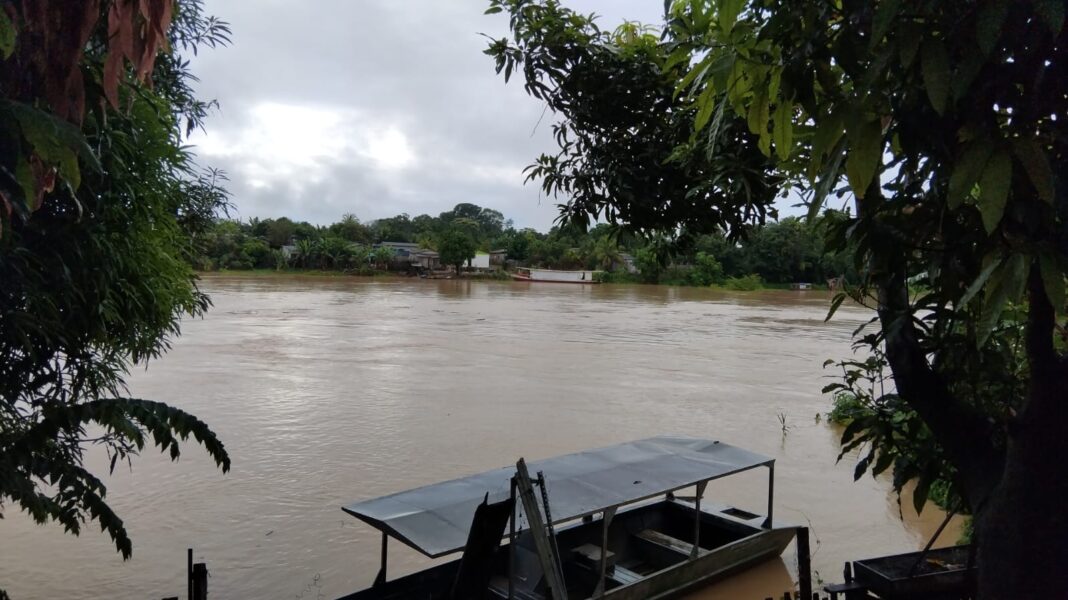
x=746 y=283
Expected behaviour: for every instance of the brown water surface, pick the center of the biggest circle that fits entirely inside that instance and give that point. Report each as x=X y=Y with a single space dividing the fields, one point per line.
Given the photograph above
x=331 y=390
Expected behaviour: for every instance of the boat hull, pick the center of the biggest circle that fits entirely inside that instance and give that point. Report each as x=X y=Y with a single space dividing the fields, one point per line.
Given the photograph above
x=651 y=554
x=551 y=276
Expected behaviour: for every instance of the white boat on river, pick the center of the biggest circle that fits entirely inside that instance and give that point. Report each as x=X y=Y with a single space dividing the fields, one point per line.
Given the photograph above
x=550 y=275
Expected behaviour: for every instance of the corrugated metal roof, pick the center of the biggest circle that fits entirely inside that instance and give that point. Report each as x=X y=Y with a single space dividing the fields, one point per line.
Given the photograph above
x=435 y=519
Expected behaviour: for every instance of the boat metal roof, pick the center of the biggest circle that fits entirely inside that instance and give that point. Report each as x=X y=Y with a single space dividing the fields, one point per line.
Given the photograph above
x=435 y=519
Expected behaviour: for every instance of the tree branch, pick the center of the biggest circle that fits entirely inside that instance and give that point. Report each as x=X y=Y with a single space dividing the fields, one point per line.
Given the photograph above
x=965 y=435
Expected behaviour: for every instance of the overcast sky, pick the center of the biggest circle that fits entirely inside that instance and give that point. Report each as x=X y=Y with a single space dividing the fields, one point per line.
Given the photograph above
x=374 y=107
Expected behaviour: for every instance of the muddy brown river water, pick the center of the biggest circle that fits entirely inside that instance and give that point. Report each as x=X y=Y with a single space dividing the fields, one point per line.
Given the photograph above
x=329 y=390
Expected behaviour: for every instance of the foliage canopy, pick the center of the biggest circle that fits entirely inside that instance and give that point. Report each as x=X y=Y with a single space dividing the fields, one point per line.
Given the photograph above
x=101 y=207
x=945 y=123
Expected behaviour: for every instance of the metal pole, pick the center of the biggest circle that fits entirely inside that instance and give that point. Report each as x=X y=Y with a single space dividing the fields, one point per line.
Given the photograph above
x=381 y=578
x=511 y=544
x=697 y=519
x=606 y=520
x=771 y=494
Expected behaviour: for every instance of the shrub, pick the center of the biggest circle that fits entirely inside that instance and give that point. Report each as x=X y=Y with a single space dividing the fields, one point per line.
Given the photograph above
x=746 y=283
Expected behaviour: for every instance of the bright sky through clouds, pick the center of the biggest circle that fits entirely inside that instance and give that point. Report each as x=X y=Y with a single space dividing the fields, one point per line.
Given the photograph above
x=334 y=107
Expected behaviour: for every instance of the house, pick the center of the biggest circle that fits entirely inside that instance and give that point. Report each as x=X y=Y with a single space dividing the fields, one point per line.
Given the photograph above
x=408 y=255
x=425 y=259
x=400 y=249
x=498 y=257
x=480 y=261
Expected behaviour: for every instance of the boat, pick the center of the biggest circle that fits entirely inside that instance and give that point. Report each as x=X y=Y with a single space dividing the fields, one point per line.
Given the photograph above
x=550 y=275
x=612 y=523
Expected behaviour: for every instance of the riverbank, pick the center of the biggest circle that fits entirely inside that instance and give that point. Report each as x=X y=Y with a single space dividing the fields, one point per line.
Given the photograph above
x=739 y=284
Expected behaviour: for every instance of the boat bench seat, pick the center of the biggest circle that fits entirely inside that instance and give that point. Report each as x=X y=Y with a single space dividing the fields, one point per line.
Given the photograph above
x=592 y=554
x=670 y=543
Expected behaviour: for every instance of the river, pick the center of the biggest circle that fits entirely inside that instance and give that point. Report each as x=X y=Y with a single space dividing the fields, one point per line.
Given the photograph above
x=330 y=390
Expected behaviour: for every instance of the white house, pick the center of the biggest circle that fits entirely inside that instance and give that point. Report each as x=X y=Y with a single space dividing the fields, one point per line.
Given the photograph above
x=480 y=261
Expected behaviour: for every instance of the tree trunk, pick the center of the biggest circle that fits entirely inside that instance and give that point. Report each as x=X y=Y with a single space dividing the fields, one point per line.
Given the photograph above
x=1022 y=533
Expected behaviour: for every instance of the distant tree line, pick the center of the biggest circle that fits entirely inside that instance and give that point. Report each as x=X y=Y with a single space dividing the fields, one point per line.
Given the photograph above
x=786 y=251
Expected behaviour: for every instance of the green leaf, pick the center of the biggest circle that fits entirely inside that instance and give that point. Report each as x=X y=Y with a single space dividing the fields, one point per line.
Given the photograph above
x=909 y=39
x=827 y=180
x=705 y=104
x=980 y=281
x=759 y=109
x=56 y=141
x=24 y=176
x=492 y=10
x=1053 y=281
x=988 y=24
x=837 y=302
x=862 y=465
x=919 y=495
x=865 y=152
x=680 y=54
x=1052 y=14
x=783 y=132
x=934 y=66
x=967 y=169
x=994 y=186
x=728 y=13
x=7 y=35
x=1036 y=164
x=1005 y=285
x=884 y=17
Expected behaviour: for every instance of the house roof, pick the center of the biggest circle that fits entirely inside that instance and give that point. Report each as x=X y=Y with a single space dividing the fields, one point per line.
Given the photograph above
x=435 y=519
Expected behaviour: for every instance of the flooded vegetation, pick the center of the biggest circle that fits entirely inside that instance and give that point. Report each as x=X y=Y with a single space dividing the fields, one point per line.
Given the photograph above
x=330 y=390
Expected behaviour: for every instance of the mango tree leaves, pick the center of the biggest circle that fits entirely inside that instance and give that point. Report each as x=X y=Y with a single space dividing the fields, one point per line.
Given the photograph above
x=865 y=154
x=728 y=13
x=7 y=36
x=57 y=142
x=1036 y=164
x=994 y=186
x=934 y=66
x=1006 y=285
x=1052 y=14
x=1053 y=281
x=990 y=19
x=885 y=14
x=783 y=129
x=967 y=169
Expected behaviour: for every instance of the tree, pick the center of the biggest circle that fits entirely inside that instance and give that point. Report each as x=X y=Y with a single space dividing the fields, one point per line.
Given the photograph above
x=940 y=120
x=456 y=247
x=605 y=253
x=277 y=232
x=102 y=212
x=349 y=228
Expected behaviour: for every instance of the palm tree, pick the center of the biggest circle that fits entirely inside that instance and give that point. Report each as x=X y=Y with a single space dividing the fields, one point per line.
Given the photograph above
x=606 y=254
x=305 y=251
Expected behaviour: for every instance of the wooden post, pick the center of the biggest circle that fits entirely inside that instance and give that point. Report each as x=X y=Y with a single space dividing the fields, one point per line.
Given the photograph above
x=697 y=519
x=549 y=565
x=189 y=572
x=381 y=577
x=200 y=581
x=804 y=563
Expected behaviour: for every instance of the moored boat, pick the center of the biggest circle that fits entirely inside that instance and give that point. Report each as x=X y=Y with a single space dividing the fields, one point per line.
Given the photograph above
x=610 y=525
x=550 y=275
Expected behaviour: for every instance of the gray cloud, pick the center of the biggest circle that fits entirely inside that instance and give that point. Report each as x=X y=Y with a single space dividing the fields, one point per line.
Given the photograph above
x=374 y=107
